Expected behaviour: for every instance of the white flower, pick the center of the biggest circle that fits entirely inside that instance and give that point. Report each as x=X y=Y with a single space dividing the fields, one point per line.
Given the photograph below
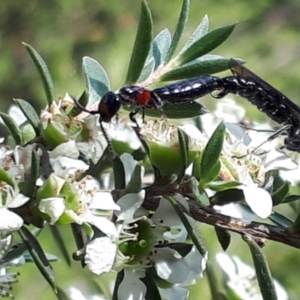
x=95 y=146
x=131 y=286
x=54 y=207
x=77 y=294
x=96 y=207
x=123 y=133
x=170 y=266
x=10 y=198
x=100 y=255
x=6 y=281
x=242 y=278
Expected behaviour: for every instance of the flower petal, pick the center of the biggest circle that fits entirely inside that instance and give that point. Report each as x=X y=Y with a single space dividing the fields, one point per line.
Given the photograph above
x=9 y=221
x=129 y=204
x=170 y=267
x=259 y=200
x=103 y=224
x=100 y=255
x=103 y=201
x=53 y=207
x=131 y=286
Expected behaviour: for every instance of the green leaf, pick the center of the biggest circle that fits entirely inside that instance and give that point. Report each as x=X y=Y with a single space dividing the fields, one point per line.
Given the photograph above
x=192 y=227
x=119 y=173
x=280 y=219
x=151 y=287
x=141 y=46
x=135 y=183
x=44 y=73
x=5 y=177
x=205 y=44
x=207 y=64
x=60 y=243
x=160 y=46
x=212 y=174
x=53 y=136
x=13 y=128
x=200 y=31
x=219 y=186
x=223 y=237
x=263 y=273
x=279 y=195
x=96 y=79
x=291 y=198
x=295 y=227
x=145 y=145
x=179 y=29
x=202 y=197
x=83 y=101
x=184 y=149
x=147 y=70
x=38 y=256
x=182 y=110
x=28 y=188
x=227 y=196
x=30 y=114
x=211 y=153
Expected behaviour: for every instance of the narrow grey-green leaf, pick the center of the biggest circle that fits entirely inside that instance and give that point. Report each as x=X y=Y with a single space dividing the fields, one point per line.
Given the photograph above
x=207 y=64
x=147 y=70
x=141 y=46
x=211 y=175
x=5 y=177
x=96 y=79
x=227 y=196
x=44 y=72
x=30 y=114
x=291 y=198
x=60 y=243
x=179 y=29
x=263 y=273
x=279 y=195
x=223 y=237
x=212 y=152
x=151 y=287
x=205 y=44
x=219 y=186
x=280 y=219
x=156 y=171
x=177 y=111
x=200 y=31
x=13 y=128
x=39 y=257
x=119 y=173
x=190 y=225
x=28 y=188
x=135 y=183
x=295 y=227
x=202 y=197
x=184 y=148
x=83 y=101
x=118 y=281
x=160 y=46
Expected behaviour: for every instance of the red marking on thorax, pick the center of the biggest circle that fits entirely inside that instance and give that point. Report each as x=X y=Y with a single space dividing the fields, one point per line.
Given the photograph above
x=143 y=98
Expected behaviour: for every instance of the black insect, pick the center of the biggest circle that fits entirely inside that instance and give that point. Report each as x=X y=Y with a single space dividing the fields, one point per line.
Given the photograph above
x=186 y=90
x=267 y=99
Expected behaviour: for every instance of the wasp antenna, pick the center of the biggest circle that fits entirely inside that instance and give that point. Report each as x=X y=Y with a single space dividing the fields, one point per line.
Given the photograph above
x=92 y=112
x=109 y=144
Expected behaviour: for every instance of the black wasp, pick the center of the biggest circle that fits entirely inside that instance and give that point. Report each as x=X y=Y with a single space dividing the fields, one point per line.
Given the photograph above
x=244 y=83
x=267 y=99
x=186 y=90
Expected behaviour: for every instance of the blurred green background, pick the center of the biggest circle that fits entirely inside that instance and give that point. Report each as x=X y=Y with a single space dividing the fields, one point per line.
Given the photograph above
x=267 y=37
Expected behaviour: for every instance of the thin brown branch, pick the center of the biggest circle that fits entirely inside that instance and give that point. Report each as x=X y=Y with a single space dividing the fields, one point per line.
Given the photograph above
x=255 y=229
